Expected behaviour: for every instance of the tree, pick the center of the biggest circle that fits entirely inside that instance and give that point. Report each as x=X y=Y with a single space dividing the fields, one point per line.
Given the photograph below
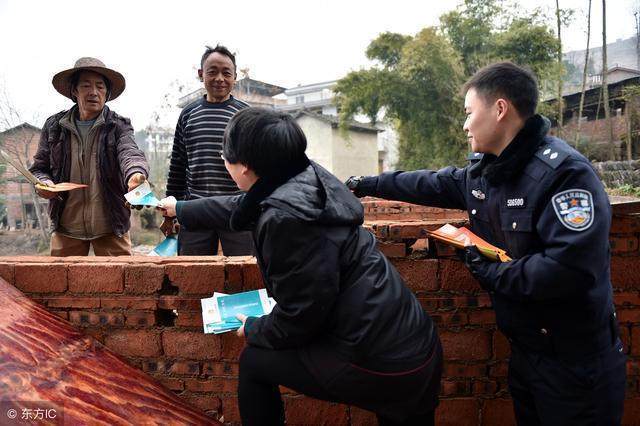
x=416 y=80
x=605 y=85
x=584 y=75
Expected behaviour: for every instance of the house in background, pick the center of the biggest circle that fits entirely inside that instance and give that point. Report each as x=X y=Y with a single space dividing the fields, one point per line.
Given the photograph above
x=21 y=143
x=343 y=153
x=319 y=98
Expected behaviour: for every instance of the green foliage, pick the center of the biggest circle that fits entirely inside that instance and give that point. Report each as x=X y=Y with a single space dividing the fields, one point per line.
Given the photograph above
x=625 y=189
x=417 y=79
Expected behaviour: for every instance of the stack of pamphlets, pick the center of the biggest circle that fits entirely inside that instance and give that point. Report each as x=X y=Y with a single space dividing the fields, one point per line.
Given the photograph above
x=219 y=312
x=142 y=195
x=462 y=237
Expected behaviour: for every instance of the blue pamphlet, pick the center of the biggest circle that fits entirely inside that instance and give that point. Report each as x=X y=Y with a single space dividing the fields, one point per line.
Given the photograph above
x=168 y=247
x=219 y=312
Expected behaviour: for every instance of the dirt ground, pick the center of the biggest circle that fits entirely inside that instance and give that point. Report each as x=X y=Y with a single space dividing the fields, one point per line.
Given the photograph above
x=22 y=243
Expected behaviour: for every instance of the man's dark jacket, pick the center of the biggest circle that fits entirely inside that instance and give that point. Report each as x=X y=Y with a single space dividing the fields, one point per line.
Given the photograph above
x=118 y=159
x=335 y=291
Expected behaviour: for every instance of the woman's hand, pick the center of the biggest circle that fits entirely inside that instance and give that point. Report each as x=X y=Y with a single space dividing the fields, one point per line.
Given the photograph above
x=240 y=331
x=168 y=206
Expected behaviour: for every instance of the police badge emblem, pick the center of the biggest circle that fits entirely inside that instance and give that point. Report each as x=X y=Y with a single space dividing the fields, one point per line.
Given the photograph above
x=574 y=208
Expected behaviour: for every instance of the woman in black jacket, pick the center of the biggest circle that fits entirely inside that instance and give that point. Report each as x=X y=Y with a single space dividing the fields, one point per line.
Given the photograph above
x=345 y=327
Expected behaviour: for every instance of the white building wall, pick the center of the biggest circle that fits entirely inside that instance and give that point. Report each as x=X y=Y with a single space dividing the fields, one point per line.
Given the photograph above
x=357 y=155
x=318 y=135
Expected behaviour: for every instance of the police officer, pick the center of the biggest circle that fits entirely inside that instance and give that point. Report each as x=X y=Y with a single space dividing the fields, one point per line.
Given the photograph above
x=538 y=198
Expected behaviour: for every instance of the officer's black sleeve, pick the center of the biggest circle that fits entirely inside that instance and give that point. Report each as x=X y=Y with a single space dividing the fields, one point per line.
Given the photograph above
x=302 y=267
x=573 y=258
x=208 y=213
x=443 y=188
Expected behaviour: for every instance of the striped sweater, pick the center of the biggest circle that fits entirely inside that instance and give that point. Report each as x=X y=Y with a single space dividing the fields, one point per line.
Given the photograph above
x=196 y=169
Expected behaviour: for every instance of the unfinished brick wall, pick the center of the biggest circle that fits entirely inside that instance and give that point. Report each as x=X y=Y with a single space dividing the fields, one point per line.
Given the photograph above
x=128 y=304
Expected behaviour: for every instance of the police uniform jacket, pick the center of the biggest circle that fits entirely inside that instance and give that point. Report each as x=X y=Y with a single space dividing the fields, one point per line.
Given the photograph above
x=543 y=203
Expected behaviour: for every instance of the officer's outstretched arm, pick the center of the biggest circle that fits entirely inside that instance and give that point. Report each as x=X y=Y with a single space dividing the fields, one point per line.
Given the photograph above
x=208 y=213
x=574 y=227
x=443 y=188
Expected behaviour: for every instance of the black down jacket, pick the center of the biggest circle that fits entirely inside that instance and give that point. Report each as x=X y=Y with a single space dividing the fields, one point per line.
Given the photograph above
x=333 y=287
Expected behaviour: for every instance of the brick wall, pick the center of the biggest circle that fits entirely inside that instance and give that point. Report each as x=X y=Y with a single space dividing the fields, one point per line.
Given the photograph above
x=128 y=303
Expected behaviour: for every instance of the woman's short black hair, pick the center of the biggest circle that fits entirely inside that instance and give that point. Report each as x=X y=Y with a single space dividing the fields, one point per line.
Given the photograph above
x=505 y=79
x=266 y=141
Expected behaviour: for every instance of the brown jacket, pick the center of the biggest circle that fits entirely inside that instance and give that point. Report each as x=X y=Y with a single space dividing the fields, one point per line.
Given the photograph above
x=118 y=157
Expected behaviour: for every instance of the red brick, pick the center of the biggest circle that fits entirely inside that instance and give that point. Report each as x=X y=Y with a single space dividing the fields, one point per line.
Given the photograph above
x=41 y=278
x=232 y=346
x=62 y=314
x=454 y=276
x=498 y=411
x=625 y=272
x=629 y=298
x=179 y=303
x=197 y=385
x=96 y=278
x=623 y=244
x=631 y=412
x=189 y=319
x=499 y=369
x=458 y=412
x=220 y=369
x=7 y=272
x=360 y=417
x=446 y=319
x=143 y=278
x=199 y=278
x=204 y=402
x=229 y=384
x=625 y=336
x=635 y=340
x=420 y=275
x=230 y=410
x=501 y=346
x=134 y=343
x=192 y=345
x=251 y=276
x=73 y=302
x=172 y=383
x=482 y=317
x=484 y=387
x=629 y=315
x=455 y=388
x=633 y=368
x=96 y=318
x=233 y=277
x=466 y=345
x=464 y=370
x=155 y=366
x=625 y=224
x=185 y=368
x=429 y=304
x=307 y=411
x=407 y=230
x=140 y=319
x=129 y=302
x=392 y=249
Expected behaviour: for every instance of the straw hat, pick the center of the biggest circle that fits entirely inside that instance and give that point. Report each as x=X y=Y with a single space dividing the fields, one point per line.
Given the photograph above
x=62 y=80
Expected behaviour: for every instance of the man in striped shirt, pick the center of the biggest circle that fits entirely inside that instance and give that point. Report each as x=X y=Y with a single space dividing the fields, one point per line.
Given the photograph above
x=197 y=168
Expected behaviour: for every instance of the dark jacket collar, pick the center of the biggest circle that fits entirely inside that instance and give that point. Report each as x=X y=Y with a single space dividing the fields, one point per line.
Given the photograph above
x=248 y=211
x=516 y=155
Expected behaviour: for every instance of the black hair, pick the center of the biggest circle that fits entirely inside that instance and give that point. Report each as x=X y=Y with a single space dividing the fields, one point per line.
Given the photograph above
x=505 y=79
x=219 y=49
x=75 y=79
x=268 y=142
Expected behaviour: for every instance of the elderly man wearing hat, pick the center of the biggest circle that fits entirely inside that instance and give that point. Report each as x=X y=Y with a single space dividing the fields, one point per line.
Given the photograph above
x=93 y=145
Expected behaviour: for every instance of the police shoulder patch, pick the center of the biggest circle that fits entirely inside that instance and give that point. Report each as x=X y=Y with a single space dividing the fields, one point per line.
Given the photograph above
x=574 y=208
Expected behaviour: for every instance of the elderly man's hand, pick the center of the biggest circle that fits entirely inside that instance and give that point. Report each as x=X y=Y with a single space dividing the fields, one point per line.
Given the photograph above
x=44 y=193
x=136 y=180
x=168 y=206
